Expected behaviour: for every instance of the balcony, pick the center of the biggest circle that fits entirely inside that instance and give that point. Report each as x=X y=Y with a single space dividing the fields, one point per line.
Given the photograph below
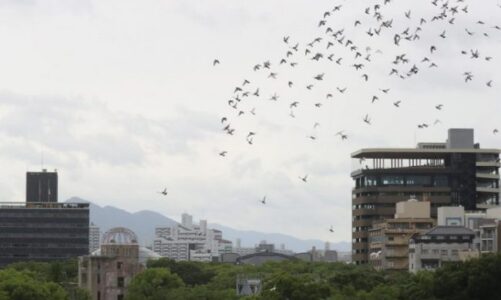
x=488 y=176
x=492 y=163
x=487 y=189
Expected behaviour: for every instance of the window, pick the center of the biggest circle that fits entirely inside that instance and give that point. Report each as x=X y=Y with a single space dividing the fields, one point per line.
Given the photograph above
x=418 y=180
x=392 y=180
x=435 y=251
x=119 y=265
x=98 y=295
x=120 y=282
x=98 y=278
x=444 y=252
x=441 y=180
x=120 y=297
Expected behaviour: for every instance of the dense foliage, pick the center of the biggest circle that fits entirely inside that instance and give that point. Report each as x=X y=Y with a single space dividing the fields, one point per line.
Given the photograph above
x=165 y=279
x=37 y=280
x=477 y=279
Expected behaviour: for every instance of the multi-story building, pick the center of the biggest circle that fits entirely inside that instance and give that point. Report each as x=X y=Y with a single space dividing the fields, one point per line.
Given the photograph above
x=94 y=237
x=188 y=241
x=41 y=186
x=457 y=172
x=43 y=231
x=389 y=239
x=490 y=236
x=440 y=245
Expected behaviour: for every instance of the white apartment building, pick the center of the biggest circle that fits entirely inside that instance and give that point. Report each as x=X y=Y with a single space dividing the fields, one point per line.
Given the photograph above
x=94 y=237
x=189 y=241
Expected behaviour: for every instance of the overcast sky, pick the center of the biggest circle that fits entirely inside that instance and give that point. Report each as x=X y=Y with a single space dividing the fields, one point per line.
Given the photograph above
x=121 y=97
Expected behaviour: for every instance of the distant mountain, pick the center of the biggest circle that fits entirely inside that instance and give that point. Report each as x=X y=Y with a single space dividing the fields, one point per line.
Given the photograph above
x=143 y=223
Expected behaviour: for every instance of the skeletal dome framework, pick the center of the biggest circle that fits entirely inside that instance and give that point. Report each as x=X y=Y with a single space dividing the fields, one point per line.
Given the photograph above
x=119 y=235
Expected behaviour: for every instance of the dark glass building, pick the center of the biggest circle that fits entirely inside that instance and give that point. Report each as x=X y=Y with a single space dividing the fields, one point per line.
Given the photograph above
x=43 y=231
x=41 y=186
x=457 y=172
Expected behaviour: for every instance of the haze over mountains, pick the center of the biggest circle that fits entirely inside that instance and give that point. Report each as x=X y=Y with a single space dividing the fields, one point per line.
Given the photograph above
x=143 y=223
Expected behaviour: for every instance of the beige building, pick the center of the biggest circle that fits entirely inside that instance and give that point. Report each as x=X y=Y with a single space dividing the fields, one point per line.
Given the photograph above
x=389 y=239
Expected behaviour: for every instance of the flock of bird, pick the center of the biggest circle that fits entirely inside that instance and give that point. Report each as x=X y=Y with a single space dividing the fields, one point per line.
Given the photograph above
x=373 y=23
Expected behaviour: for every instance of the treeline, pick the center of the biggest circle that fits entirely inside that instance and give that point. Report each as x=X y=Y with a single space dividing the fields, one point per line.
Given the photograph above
x=40 y=280
x=165 y=279
x=169 y=280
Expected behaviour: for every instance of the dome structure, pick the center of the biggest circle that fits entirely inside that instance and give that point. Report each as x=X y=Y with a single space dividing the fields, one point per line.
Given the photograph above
x=119 y=236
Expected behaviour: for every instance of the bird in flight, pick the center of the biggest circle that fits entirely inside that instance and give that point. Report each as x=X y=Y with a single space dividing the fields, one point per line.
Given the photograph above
x=223 y=153
x=495 y=131
x=215 y=62
x=439 y=107
x=164 y=192
x=367 y=119
x=331 y=229
x=264 y=200
x=304 y=179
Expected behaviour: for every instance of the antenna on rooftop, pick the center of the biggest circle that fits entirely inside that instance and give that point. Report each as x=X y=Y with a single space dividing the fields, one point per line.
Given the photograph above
x=41 y=159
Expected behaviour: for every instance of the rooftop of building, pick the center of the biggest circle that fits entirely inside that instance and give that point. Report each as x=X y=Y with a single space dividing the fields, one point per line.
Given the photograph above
x=449 y=230
x=43 y=205
x=459 y=140
x=405 y=153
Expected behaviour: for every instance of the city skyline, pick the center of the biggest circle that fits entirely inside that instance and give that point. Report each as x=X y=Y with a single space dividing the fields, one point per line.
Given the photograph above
x=122 y=98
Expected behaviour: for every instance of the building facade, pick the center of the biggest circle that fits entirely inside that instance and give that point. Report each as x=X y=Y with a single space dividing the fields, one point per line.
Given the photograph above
x=188 y=241
x=389 y=239
x=94 y=237
x=441 y=245
x=43 y=231
x=457 y=172
x=41 y=186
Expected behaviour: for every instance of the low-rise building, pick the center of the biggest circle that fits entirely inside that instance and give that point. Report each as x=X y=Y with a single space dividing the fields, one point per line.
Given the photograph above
x=441 y=245
x=389 y=239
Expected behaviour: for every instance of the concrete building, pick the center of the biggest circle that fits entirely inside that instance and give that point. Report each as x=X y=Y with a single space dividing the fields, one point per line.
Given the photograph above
x=41 y=187
x=483 y=224
x=94 y=237
x=440 y=245
x=45 y=231
x=188 y=241
x=389 y=239
x=490 y=236
x=457 y=172
x=107 y=272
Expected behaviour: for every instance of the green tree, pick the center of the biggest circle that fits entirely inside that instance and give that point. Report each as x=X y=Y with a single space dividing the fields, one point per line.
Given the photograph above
x=23 y=285
x=153 y=284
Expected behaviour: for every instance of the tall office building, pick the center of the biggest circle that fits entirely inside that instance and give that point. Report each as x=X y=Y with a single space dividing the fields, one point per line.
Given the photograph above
x=457 y=172
x=41 y=229
x=41 y=186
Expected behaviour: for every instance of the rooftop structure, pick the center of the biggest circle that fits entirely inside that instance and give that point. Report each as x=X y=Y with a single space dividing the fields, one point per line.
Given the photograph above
x=457 y=172
x=41 y=186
